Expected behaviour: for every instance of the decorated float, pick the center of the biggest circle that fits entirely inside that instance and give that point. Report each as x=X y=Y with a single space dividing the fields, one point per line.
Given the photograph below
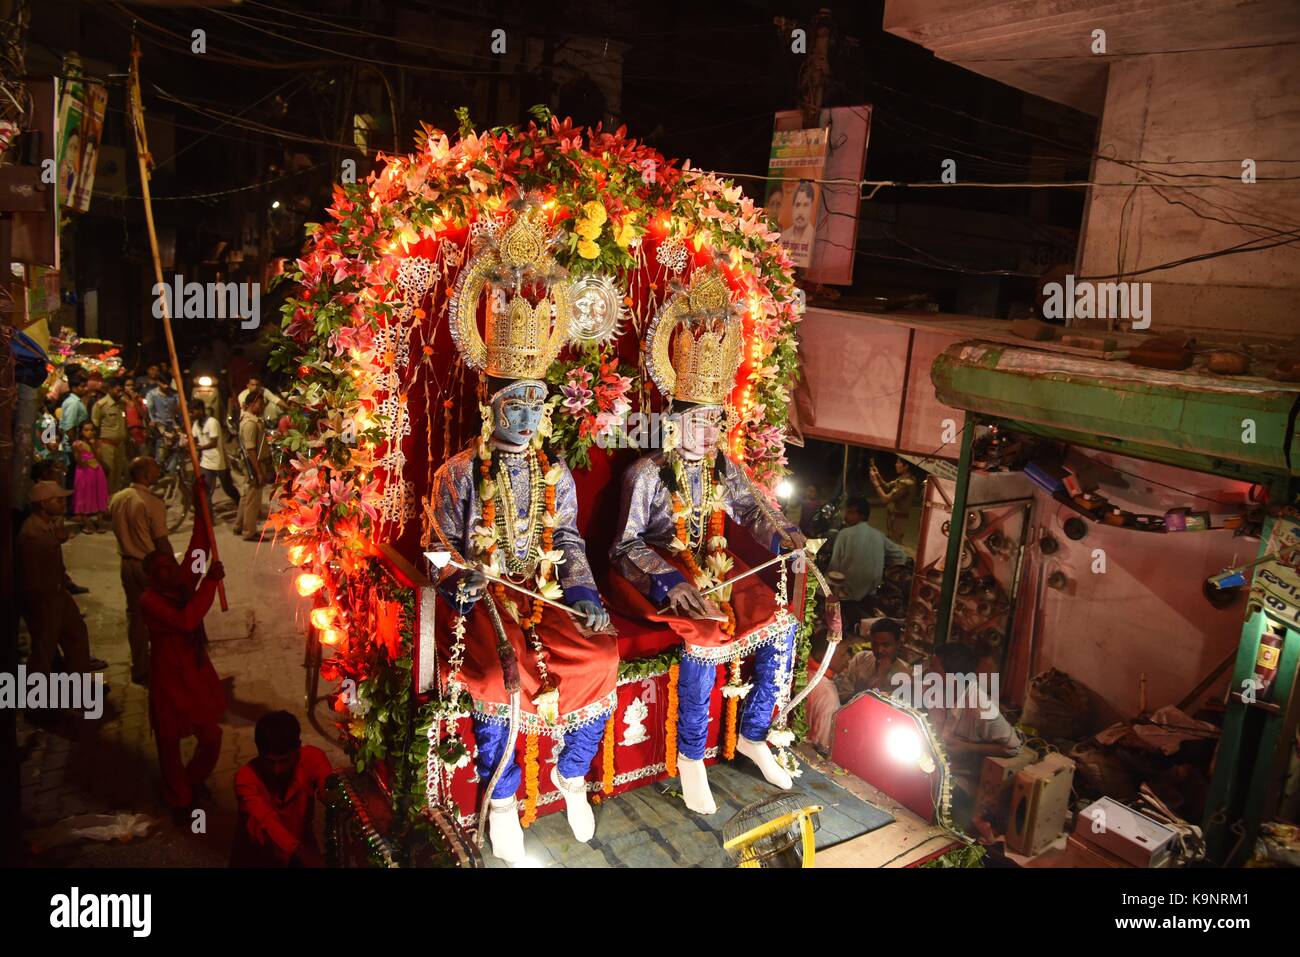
x=560 y=256
x=96 y=357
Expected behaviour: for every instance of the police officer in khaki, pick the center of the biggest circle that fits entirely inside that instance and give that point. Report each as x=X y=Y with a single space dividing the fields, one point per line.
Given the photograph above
x=140 y=525
x=109 y=416
x=259 y=471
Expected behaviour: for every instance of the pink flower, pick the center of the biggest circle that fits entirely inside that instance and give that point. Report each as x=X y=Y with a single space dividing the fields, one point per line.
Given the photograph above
x=576 y=398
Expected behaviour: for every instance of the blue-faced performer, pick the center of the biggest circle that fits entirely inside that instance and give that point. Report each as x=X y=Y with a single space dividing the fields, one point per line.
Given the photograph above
x=507 y=509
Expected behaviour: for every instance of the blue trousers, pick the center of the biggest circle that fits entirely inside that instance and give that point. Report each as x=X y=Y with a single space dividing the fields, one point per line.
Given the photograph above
x=695 y=686
x=580 y=747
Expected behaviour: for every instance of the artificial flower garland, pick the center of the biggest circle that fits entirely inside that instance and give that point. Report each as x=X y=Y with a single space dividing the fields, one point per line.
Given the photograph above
x=531 y=773
x=670 y=723
x=607 y=771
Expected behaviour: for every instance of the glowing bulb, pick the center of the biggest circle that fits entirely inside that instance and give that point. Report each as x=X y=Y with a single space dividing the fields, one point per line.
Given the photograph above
x=275 y=204
x=904 y=745
x=331 y=636
x=205 y=381
x=323 y=618
x=299 y=554
x=784 y=489
x=309 y=583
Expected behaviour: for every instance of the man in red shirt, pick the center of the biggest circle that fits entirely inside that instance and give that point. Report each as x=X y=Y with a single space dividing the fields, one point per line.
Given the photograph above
x=277 y=793
x=137 y=421
x=185 y=695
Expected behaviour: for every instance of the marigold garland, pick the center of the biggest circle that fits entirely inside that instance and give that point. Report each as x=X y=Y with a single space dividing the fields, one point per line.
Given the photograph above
x=530 y=614
x=670 y=726
x=531 y=789
x=607 y=775
x=717 y=542
x=733 y=708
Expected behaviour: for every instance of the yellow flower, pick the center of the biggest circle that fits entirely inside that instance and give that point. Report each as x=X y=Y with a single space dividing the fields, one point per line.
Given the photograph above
x=588 y=229
x=626 y=233
x=550 y=589
x=595 y=211
x=587 y=249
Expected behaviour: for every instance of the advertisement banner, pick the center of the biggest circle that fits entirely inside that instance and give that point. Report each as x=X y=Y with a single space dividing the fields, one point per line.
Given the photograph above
x=1276 y=584
x=794 y=199
x=81 y=123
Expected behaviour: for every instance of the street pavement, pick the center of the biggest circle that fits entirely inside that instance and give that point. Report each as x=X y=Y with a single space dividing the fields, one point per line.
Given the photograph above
x=110 y=765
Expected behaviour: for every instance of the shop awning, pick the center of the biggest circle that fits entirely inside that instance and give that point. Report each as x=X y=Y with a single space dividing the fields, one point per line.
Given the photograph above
x=1240 y=426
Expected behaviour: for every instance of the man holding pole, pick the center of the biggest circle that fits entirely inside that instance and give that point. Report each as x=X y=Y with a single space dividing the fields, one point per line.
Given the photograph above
x=202 y=512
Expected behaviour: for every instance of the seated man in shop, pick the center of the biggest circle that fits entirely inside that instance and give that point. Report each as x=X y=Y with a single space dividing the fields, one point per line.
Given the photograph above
x=969 y=723
x=860 y=555
x=875 y=670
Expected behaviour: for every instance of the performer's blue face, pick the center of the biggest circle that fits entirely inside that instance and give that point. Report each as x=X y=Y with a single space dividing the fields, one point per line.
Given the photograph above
x=517 y=412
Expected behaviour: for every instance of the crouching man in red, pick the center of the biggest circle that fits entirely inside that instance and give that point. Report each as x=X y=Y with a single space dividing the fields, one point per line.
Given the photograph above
x=277 y=793
x=185 y=694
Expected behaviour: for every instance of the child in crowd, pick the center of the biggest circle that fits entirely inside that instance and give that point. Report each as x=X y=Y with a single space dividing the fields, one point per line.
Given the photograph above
x=90 y=492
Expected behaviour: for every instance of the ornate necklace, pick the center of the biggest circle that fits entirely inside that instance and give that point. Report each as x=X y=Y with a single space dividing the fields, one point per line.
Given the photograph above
x=508 y=524
x=500 y=514
x=698 y=521
x=701 y=528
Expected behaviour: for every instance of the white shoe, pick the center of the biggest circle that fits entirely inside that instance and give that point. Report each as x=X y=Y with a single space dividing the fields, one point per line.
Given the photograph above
x=504 y=831
x=695 y=786
x=761 y=754
x=578 y=810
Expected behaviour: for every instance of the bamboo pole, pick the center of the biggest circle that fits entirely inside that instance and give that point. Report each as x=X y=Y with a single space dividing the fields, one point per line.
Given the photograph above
x=201 y=510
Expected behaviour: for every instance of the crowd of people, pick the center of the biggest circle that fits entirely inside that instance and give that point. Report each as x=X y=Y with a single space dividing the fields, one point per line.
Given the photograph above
x=100 y=446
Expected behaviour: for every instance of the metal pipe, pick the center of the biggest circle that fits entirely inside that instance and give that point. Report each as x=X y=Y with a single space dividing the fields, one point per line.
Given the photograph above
x=751 y=571
x=956 y=535
x=448 y=560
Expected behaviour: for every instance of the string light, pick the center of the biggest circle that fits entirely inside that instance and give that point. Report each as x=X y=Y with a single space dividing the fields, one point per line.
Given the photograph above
x=308 y=584
x=331 y=636
x=299 y=554
x=323 y=618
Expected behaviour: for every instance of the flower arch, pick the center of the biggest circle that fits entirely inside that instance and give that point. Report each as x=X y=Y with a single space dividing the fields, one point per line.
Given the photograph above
x=366 y=340
x=361 y=331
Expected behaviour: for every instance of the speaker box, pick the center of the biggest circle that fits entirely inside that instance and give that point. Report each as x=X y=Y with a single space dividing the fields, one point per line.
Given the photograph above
x=1040 y=801
x=997 y=776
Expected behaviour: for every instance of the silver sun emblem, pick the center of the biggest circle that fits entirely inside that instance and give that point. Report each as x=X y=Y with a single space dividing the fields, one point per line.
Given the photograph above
x=597 y=310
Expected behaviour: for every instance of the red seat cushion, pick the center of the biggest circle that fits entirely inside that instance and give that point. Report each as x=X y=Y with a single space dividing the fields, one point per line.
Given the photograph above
x=642 y=639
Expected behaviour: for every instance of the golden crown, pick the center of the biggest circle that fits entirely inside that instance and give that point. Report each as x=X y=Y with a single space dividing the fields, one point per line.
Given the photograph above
x=522 y=338
x=699 y=363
